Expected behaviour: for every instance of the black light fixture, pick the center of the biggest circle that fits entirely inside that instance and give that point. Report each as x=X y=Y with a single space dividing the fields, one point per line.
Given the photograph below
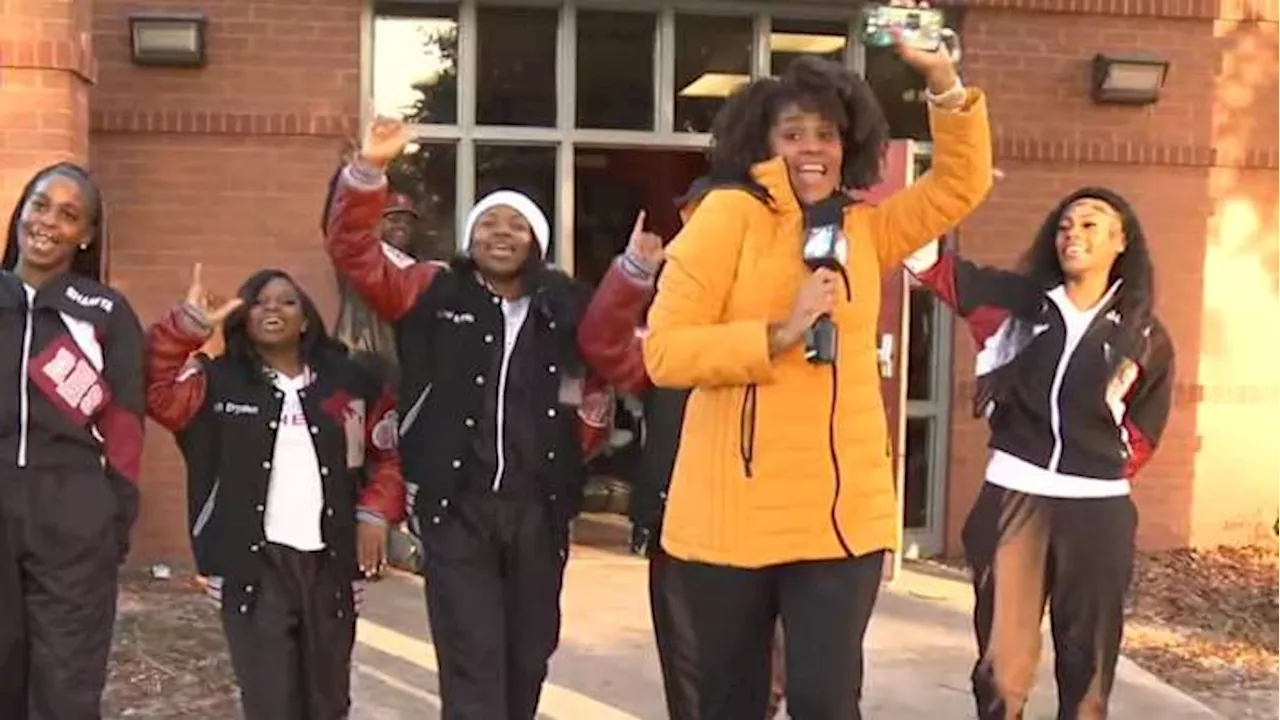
x=167 y=39
x=1128 y=78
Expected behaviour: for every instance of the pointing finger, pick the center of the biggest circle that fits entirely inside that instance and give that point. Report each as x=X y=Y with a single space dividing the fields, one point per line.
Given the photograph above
x=639 y=226
x=196 y=271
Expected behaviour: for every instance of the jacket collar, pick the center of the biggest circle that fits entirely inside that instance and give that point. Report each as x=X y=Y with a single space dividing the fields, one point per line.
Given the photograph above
x=773 y=177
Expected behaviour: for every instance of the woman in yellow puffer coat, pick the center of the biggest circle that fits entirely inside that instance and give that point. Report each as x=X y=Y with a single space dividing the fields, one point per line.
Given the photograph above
x=782 y=497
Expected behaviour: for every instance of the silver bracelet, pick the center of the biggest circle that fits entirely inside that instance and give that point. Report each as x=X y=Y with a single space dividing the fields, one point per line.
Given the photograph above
x=945 y=98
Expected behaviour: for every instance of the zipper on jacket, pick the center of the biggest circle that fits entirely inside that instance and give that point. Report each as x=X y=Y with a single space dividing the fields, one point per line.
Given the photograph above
x=835 y=458
x=411 y=415
x=747 y=429
x=503 y=369
x=24 y=385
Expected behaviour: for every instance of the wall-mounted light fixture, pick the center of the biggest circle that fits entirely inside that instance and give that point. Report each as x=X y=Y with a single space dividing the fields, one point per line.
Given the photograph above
x=1128 y=78
x=167 y=39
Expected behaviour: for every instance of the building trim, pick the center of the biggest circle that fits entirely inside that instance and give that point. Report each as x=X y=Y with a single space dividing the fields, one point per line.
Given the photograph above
x=196 y=122
x=60 y=55
x=1237 y=10
x=188 y=122
x=1132 y=153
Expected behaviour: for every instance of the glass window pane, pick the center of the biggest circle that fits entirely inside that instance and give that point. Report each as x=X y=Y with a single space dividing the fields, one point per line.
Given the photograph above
x=923 y=308
x=915 y=496
x=426 y=173
x=789 y=39
x=615 y=70
x=530 y=170
x=900 y=91
x=415 y=53
x=516 y=66
x=713 y=57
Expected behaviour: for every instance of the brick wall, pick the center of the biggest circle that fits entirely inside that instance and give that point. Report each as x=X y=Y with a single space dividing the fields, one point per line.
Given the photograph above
x=46 y=68
x=224 y=165
x=1200 y=167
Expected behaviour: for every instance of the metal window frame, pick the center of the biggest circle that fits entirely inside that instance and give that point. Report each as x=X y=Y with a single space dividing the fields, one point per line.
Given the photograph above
x=567 y=139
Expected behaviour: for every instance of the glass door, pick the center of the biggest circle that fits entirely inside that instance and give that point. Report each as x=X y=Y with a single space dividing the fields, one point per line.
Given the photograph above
x=928 y=407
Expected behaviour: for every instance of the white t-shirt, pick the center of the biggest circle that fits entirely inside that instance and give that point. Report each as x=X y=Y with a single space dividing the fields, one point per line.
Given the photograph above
x=295 y=493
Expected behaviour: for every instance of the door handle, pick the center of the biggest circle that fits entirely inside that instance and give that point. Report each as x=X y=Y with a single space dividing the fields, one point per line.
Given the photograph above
x=885 y=356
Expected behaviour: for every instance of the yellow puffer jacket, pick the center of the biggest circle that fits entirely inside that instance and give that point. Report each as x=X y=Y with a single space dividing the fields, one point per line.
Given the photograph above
x=781 y=460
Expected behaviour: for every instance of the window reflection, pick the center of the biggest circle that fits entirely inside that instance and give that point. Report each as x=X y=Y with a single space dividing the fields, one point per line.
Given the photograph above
x=790 y=39
x=516 y=66
x=922 y=312
x=415 y=52
x=713 y=58
x=915 y=496
x=615 y=75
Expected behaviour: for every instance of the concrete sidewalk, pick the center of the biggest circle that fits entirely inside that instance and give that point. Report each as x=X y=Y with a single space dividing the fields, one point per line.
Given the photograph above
x=919 y=654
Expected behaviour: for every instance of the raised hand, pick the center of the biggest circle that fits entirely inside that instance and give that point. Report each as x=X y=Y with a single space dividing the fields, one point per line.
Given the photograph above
x=384 y=139
x=215 y=308
x=645 y=247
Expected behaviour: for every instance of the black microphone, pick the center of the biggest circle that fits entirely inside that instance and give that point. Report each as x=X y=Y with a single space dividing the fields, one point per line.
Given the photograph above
x=825 y=246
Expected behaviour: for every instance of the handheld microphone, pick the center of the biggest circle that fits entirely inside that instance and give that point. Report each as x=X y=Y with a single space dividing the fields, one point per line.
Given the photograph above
x=825 y=246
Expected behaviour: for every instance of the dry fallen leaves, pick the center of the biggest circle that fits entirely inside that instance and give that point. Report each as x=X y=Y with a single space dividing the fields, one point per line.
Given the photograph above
x=1206 y=620
x=169 y=658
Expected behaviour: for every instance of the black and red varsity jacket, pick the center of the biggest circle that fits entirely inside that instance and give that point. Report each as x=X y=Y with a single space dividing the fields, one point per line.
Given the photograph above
x=1069 y=416
x=225 y=420
x=71 y=384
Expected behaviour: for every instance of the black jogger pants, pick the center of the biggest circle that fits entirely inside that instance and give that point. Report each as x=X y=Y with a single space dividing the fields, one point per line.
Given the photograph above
x=58 y=578
x=1074 y=553
x=673 y=632
x=291 y=652
x=494 y=571
x=732 y=614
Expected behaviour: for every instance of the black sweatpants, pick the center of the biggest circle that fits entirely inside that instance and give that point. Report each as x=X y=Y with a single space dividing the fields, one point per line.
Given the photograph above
x=291 y=651
x=673 y=631
x=731 y=615
x=1075 y=553
x=58 y=581
x=494 y=571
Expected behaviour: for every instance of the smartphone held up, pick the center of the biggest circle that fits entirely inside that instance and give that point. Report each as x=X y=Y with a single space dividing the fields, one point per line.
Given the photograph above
x=921 y=26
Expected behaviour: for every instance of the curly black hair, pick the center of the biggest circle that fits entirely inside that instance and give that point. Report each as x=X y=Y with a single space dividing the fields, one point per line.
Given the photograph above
x=1133 y=267
x=740 y=131
x=315 y=348
x=88 y=262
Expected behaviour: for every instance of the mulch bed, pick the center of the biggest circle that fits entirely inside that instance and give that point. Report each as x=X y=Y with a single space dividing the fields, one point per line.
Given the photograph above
x=1206 y=621
x=169 y=658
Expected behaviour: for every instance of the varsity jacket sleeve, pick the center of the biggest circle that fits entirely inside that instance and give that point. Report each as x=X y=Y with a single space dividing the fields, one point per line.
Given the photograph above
x=390 y=287
x=983 y=296
x=687 y=343
x=176 y=382
x=122 y=420
x=957 y=182
x=1148 y=400
x=609 y=336
x=382 y=496
x=595 y=416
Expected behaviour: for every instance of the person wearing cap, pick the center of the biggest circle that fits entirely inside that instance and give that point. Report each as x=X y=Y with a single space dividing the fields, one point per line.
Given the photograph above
x=497 y=410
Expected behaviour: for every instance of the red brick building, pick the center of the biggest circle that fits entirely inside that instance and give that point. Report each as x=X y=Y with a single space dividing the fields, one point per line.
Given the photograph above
x=600 y=111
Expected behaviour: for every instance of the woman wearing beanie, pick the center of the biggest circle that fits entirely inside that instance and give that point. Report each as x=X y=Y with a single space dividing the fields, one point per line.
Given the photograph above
x=1075 y=376
x=497 y=409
